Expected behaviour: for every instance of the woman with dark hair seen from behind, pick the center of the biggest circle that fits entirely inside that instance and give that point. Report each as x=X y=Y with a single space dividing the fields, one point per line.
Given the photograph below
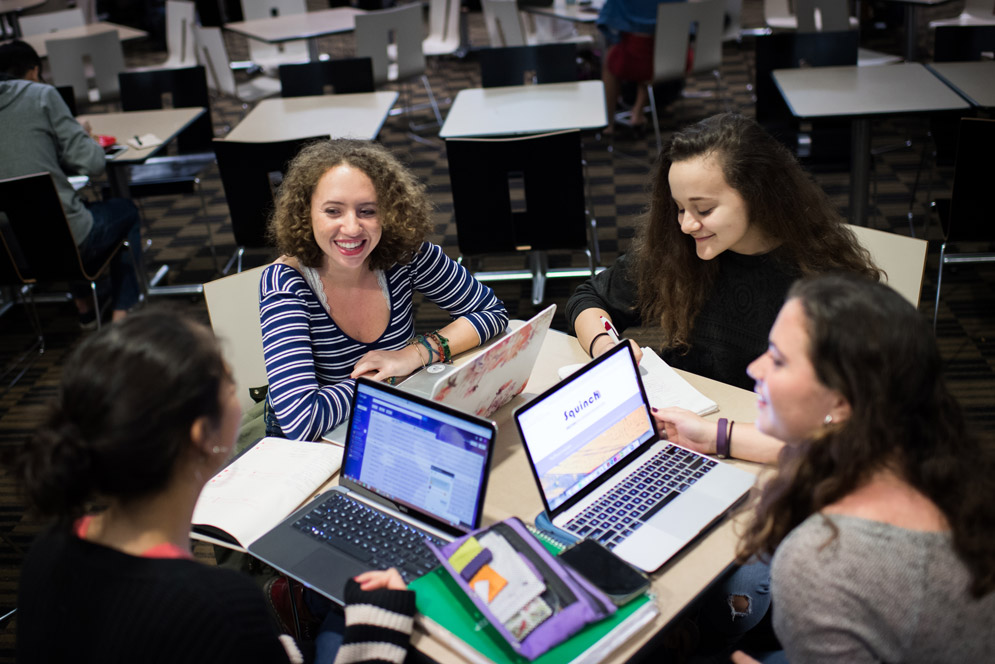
x=733 y=221
x=880 y=519
x=146 y=414
x=351 y=223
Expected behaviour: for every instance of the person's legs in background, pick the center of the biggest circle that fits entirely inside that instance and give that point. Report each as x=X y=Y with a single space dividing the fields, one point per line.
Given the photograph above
x=736 y=605
x=113 y=221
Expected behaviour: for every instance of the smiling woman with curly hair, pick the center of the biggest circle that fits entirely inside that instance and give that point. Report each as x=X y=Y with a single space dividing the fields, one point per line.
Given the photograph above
x=351 y=223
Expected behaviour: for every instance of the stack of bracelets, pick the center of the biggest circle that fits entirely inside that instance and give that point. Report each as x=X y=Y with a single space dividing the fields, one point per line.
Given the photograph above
x=442 y=354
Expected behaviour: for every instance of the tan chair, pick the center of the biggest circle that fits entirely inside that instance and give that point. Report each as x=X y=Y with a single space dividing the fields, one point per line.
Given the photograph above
x=180 y=42
x=902 y=258
x=504 y=25
x=213 y=54
x=233 y=305
x=271 y=56
x=67 y=61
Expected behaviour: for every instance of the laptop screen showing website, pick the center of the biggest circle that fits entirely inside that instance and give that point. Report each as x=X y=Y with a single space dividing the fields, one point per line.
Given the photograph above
x=589 y=423
x=418 y=455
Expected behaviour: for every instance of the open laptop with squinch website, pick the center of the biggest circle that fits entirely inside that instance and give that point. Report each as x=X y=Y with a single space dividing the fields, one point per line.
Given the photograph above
x=411 y=469
x=604 y=473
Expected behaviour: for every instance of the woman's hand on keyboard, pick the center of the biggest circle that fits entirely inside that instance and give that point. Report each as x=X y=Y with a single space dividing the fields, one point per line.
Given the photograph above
x=384 y=578
x=684 y=428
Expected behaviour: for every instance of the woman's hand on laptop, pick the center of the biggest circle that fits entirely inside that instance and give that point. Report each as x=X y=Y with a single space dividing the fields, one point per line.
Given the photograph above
x=684 y=428
x=382 y=364
x=382 y=578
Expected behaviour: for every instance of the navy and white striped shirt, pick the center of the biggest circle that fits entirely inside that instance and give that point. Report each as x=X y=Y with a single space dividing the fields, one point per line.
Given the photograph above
x=309 y=359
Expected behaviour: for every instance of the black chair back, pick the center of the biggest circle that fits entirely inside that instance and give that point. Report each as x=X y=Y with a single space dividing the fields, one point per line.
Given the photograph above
x=507 y=65
x=518 y=194
x=963 y=43
x=41 y=231
x=66 y=92
x=247 y=174
x=971 y=215
x=187 y=88
x=344 y=76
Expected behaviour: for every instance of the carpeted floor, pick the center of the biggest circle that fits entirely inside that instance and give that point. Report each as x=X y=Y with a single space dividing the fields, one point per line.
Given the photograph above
x=617 y=178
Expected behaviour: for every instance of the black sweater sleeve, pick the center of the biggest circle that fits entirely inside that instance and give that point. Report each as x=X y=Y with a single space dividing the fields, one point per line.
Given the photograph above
x=613 y=290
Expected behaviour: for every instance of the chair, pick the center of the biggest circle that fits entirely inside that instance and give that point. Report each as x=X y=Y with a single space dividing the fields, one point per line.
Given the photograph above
x=976 y=12
x=9 y=278
x=778 y=14
x=180 y=41
x=233 y=305
x=902 y=258
x=271 y=56
x=39 y=227
x=181 y=173
x=833 y=16
x=829 y=139
x=509 y=65
x=214 y=56
x=66 y=60
x=503 y=22
x=675 y=22
x=247 y=175
x=963 y=43
x=379 y=32
x=522 y=195
x=41 y=23
x=343 y=76
x=444 y=36
x=970 y=217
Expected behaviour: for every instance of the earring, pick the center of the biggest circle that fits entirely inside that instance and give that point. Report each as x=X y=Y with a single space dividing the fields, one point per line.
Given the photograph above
x=828 y=420
x=216 y=449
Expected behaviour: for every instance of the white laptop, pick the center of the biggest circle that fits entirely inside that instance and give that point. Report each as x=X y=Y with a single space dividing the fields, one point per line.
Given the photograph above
x=604 y=473
x=491 y=379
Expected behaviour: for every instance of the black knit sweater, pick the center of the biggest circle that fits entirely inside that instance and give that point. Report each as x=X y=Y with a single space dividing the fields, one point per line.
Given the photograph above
x=731 y=329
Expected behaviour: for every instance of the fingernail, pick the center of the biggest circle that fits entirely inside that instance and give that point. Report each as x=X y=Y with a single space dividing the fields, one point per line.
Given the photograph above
x=653 y=409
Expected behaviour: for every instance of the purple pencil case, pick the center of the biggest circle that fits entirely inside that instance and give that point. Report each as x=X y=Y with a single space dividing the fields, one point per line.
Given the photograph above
x=571 y=600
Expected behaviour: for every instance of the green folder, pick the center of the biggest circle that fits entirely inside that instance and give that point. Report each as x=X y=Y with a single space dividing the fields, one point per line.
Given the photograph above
x=439 y=598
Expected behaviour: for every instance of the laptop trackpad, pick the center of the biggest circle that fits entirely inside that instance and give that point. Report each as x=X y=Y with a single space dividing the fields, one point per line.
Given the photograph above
x=327 y=567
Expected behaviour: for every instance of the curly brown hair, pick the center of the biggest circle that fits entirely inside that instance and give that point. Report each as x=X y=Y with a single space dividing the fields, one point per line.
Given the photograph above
x=781 y=199
x=403 y=208
x=872 y=346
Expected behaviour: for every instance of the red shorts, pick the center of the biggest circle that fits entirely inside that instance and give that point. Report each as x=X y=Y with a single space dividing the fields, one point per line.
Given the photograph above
x=631 y=59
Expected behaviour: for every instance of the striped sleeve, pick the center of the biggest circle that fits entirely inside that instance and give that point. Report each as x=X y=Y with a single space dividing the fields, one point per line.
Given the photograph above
x=378 y=625
x=308 y=386
x=451 y=286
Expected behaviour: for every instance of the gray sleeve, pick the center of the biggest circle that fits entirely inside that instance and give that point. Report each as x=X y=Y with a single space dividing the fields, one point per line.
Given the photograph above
x=78 y=153
x=613 y=290
x=825 y=608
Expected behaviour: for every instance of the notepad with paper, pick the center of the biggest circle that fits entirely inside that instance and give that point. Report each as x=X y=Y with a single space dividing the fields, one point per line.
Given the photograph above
x=664 y=386
x=260 y=487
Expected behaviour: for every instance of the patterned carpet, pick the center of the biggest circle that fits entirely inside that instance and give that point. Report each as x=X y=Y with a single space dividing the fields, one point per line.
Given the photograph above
x=617 y=177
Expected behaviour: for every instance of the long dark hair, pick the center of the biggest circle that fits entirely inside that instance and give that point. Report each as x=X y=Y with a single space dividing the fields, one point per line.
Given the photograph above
x=781 y=199
x=128 y=398
x=870 y=345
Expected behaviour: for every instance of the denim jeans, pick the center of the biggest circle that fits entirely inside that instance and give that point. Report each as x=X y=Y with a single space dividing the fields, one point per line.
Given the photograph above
x=272 y=424
x=113 y=220
x=719 y=622
x=332 y=630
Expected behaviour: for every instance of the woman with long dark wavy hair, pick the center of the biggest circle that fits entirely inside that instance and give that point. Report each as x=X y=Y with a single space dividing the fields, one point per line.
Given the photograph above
x=880 y=519
x=733 y=221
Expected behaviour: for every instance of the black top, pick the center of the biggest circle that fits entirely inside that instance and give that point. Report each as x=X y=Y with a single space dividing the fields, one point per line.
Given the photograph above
x=81 y=602
x=731 y=329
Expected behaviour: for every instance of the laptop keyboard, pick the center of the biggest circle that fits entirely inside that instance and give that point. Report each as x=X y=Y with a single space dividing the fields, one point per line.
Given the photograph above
x=619 y=513
x=371 y=536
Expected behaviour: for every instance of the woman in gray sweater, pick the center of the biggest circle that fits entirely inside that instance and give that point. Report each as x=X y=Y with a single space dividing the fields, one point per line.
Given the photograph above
x=880 y=517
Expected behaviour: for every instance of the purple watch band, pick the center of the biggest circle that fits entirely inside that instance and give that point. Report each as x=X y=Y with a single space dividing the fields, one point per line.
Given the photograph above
x=722 y=439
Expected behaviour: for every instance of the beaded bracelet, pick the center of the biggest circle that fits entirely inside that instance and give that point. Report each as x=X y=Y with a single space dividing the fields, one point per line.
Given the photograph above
x=447 y=355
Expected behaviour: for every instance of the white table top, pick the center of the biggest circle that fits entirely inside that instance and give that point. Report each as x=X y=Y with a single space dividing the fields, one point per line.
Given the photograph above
x=973 y=80
x=124 y=32
x=278 y=29
x=512 y=492
x=165 y=123
x=526 y=109
x=576 y=12
x=853 y=91
x=359 y=115
x=12 y=6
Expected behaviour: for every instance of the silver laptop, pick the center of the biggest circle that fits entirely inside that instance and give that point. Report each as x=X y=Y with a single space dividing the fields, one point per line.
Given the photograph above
x=411 y=469
x=603 y=472
x=488 y=381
